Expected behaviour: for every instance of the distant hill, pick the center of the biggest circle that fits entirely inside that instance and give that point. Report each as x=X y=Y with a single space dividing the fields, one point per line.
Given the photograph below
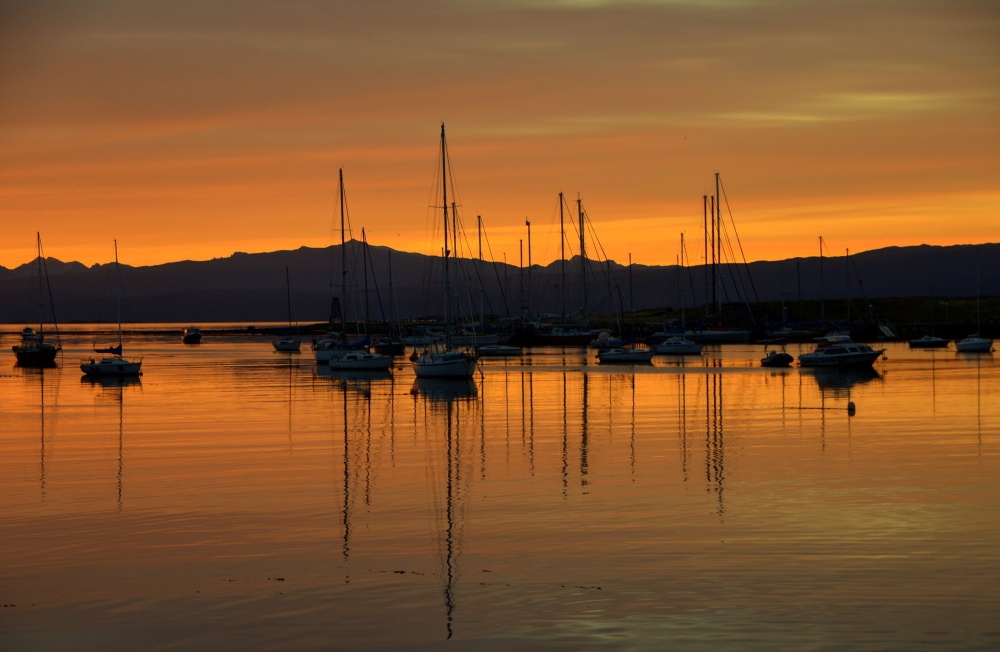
x=250 y=288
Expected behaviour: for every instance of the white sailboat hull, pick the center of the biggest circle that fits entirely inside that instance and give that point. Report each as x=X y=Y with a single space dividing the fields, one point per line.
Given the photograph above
x=974 y=344
x=359 y=360
x=113 y=366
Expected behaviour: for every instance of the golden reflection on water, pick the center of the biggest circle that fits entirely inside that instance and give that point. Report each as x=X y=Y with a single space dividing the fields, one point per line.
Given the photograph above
x=235 y=496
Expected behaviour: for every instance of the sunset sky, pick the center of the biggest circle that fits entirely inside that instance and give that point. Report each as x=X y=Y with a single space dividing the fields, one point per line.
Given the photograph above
x=194 y=129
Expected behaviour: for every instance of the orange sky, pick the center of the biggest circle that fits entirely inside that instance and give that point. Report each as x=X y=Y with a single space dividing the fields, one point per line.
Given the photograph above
x=190 y=130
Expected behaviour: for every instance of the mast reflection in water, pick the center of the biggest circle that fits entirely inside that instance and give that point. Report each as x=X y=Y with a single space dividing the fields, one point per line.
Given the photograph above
x=547 y=503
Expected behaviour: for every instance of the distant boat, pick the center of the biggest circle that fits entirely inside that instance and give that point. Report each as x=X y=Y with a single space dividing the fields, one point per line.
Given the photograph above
x=288 y=343
x=113 y=363
x=498 y=351
x=342 y=356
x=624 y=354
x=192 y=335
x=840 y=351
x=605 y=340
x=34 y=351
x=975 y=343
x=677 y=345
x=443 y=361
x=929 y=342
x=776 y=359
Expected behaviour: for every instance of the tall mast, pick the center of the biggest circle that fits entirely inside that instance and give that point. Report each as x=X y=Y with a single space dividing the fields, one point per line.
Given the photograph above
x=822 y=290
x=444 y=204
x=562 y=261
x=583 y=261
x=343 y=263
x=41 y=294
x=528 y=291
x=704 y=220
x=118 y=295
x=718 y=243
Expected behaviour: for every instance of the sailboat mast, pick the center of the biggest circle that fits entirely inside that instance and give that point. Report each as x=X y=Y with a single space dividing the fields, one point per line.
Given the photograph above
x=444 y=204
x=583 y=260
x=343 y=262
x=288 y=295
x=822 y=290
x=562 y=261
x=118 y=295
x=528 y=291
x=41 y=292
x=718 y=244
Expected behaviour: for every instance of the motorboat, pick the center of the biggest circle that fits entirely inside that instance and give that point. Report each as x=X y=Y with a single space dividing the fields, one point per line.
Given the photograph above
x=929 y=342
x=498 y=351
x=776 y=359
x=624 y=354
x=191 y=335
x=840 y=351
x=287 y=344
x=34 y=351
x=678 y=345
x=359 y=360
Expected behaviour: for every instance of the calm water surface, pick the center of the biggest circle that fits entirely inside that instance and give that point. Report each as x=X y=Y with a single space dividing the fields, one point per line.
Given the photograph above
x=237 y=497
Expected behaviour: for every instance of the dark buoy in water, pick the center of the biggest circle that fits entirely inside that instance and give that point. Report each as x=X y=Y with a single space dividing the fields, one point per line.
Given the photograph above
x=850 y=408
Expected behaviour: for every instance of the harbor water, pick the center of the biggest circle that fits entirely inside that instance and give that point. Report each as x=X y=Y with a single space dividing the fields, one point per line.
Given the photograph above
x=235 y=497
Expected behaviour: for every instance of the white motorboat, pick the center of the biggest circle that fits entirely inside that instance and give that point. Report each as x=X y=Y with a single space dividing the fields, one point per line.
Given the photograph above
x=359 y=360
x=840 y=351
x=624 y=354
x=678 y=345
x=498 y=351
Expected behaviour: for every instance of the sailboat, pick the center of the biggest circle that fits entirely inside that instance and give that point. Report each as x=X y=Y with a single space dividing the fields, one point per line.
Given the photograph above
x=113 y=363
x=342 y=356
x=444 y=361
x=34 y=351
x=676 y=343
x=288 y=343
x=975 y=343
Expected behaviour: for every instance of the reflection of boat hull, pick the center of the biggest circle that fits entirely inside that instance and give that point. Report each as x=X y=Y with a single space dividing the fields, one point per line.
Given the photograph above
x=438 y=389
x=839 y=378
x=112 y=381
x=115 y=366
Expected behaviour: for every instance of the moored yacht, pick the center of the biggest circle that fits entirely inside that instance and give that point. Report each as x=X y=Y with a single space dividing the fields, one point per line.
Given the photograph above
x=840 y=351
